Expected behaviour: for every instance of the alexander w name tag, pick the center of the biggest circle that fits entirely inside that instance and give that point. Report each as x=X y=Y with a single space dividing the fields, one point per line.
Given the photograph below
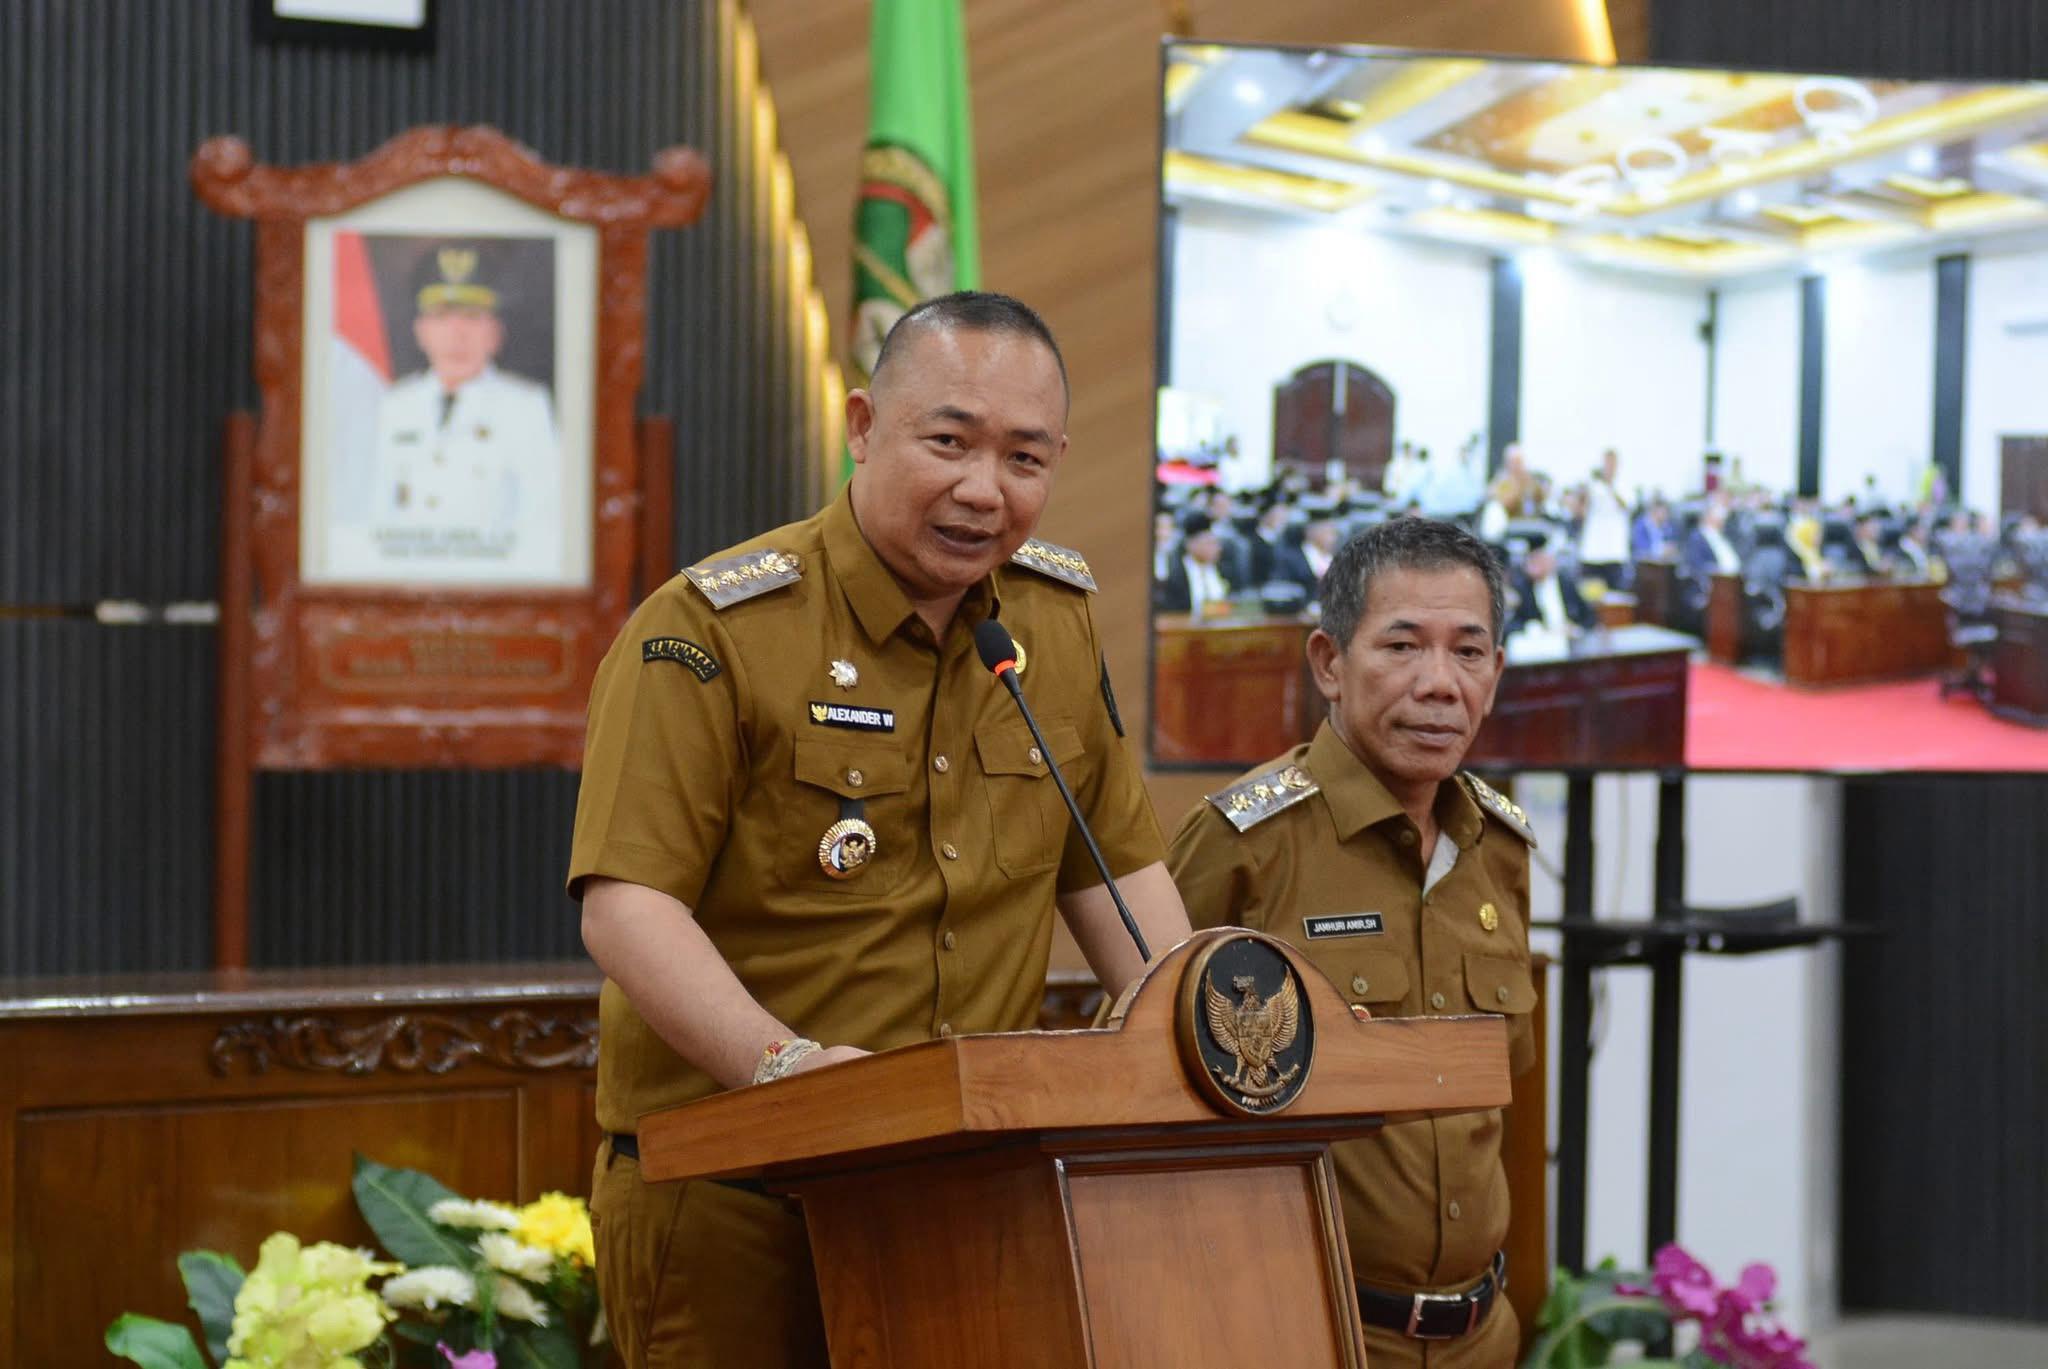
x=1342 y=924
x=853 y=716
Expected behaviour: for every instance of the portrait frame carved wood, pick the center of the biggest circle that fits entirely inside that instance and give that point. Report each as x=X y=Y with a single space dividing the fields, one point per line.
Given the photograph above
x=394 y=675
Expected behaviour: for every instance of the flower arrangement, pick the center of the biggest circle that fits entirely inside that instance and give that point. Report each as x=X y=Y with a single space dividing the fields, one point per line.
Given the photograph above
x=471 y=1284
x=1585 y=1318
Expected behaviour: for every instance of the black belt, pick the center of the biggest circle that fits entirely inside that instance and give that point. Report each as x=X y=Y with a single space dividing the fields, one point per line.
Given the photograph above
x=1434 y=1316
x=627 y=1144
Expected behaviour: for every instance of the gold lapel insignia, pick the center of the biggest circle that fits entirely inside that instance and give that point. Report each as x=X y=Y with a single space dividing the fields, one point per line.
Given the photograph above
x=846 y=848
x=1489 y=916
x=1499 y=805
x=1054 y=561
x=1254 y=799
x=736 y=579
x=1022 y=660
x=844 y=675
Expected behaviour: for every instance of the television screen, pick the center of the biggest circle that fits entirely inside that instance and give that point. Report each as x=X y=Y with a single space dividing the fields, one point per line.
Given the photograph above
x=1743 y=375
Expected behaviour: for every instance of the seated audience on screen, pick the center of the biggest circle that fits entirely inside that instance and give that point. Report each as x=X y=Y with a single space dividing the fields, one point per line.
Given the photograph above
x=1916 y=549
x=1867 y=555
x=1547 y=598
x=1708 y=550
x=1196 y=580
x=1269 y=539
x=1652 y=538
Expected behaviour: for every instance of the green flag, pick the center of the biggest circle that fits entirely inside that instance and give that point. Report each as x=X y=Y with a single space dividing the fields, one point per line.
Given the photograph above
x=915 y=228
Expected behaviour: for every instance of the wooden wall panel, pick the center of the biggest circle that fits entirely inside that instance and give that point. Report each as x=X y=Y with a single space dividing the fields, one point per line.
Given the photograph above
x=1067 y=135
x=218 y=1109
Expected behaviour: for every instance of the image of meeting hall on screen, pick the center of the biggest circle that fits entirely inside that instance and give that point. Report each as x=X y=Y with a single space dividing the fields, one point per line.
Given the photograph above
x=1743 y=376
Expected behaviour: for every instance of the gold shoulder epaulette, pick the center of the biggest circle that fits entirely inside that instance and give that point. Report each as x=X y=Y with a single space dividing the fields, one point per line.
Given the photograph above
x=1251 y=801
x=739 y=578
x=1057 y=562
x=1500 y=805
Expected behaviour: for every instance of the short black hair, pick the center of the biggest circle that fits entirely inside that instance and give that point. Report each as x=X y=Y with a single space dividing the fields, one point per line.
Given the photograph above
x=982 y=311
x=1402 y=544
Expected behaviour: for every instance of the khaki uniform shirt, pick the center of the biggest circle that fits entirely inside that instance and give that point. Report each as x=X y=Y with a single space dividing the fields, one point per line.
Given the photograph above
x=722 y=745
x=1425 y=1203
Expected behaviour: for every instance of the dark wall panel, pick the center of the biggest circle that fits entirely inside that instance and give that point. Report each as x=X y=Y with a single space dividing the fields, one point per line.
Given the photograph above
x=1944 y=1124
x=105 y=832
x=1945 y=1048
x=128 y=340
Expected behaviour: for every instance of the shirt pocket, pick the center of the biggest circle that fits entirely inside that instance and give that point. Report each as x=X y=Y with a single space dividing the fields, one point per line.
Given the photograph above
x=1026 y=813
x=831 y=777
x=1378 y=979
x=1499 y=984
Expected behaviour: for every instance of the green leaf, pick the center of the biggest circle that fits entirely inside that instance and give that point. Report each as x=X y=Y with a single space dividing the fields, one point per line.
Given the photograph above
x=1577 y=1342
x=211 y=1282
x=540 y=1347
x=1560 y=1303
x=153 y=1344
x=395 y=1202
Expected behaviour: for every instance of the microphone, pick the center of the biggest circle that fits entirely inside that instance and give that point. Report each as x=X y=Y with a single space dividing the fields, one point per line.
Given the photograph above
x=999 y=653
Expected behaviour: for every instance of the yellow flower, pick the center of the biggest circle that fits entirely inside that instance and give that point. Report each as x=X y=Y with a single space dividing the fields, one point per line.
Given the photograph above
x=559 y=1224
x=306 y=1307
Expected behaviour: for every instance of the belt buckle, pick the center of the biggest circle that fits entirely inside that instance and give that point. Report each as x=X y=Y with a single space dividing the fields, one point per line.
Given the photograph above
x=1415 y=1307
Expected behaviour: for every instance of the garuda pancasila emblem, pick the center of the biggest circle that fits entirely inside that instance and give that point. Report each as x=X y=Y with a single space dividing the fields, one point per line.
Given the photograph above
x=1253 y=1032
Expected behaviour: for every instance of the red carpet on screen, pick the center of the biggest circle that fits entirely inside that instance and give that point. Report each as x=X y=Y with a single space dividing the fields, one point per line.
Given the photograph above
x=1736 y=721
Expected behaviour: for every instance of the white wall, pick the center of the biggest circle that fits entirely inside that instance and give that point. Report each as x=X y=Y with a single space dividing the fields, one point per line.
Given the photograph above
x=1256 y=297
x=1877 y=391
x=1758 y=1154
x=1612 y=360
x=1756 y=382
x=2005 y=386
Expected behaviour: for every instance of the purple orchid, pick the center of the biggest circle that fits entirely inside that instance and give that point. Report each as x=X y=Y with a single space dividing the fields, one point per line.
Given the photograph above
x=1686 y=1286
x=471 y=1359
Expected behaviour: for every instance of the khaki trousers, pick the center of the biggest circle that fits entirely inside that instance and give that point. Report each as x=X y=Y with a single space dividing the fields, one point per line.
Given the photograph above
x=702 y=1276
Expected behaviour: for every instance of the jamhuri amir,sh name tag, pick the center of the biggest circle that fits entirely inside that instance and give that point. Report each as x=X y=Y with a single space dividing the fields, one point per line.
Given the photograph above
x=854 y=716
x=1342 y=924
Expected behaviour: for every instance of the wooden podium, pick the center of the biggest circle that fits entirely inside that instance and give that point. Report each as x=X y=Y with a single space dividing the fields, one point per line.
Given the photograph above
x=1076 y=1199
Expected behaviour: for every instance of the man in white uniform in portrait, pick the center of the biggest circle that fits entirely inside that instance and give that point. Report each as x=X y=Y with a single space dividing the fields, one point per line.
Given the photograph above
x=469 y=471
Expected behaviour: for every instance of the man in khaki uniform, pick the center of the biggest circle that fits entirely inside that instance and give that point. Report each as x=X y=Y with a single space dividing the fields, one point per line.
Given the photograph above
x=812 y=825
x=1407 y=883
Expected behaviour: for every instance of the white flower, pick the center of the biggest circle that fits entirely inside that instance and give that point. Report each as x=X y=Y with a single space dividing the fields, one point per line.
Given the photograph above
x=432 y=1287
x=515 y=1257
x=516 y=1302
x=483 y=1215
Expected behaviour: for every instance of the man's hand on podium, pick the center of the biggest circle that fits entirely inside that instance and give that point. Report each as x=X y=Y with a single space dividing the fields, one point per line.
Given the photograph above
x=831 y=1055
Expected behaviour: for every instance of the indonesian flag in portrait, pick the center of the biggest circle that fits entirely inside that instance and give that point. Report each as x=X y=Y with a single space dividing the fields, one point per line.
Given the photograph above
x=359 y=372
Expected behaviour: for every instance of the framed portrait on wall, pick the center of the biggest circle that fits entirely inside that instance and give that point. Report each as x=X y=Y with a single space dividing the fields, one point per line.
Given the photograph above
x=448 y=375
x=394 y=25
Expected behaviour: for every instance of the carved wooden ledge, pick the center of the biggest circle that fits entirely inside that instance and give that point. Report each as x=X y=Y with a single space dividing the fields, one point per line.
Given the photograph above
x=229 y=179
x=406 y=1043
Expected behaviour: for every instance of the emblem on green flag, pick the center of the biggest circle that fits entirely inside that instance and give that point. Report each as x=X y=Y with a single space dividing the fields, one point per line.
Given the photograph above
x=914 y=229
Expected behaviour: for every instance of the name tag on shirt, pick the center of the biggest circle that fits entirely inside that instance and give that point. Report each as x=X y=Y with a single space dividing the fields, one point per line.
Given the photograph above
x=1342 y=924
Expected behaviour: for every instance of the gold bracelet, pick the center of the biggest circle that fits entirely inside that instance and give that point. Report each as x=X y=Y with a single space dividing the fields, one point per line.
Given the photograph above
x=781 y=1057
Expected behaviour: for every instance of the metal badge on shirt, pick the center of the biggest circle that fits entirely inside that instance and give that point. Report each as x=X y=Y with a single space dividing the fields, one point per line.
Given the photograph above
x=853 y=716
x=1343 y=924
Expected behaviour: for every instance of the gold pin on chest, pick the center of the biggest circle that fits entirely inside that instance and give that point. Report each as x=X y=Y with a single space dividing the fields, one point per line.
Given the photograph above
x=846 y=848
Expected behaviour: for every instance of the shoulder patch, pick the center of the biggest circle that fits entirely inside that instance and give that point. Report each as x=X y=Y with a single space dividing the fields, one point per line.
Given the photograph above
x=1500 y=805
x=1055 y=561
x=700 y=662
x=1251 y=801
x=739 y=578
